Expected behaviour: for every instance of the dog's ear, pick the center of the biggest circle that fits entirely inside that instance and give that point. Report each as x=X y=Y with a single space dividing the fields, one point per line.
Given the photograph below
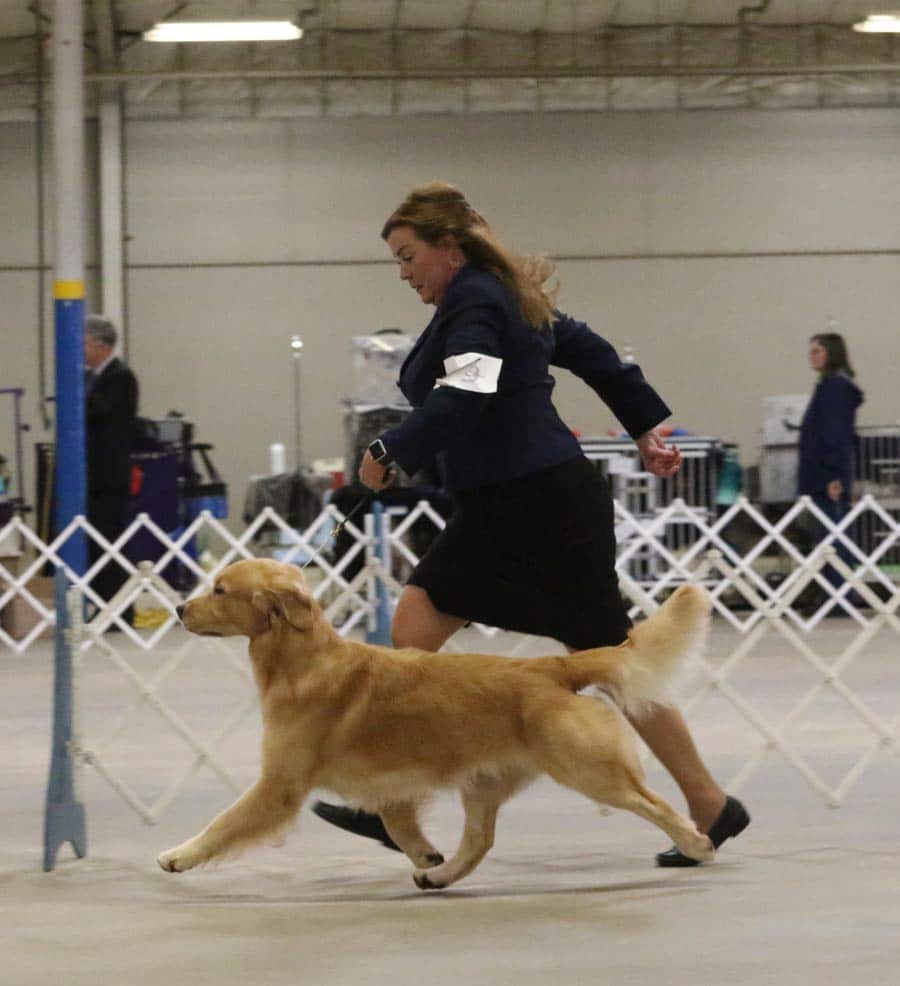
x=286 y=600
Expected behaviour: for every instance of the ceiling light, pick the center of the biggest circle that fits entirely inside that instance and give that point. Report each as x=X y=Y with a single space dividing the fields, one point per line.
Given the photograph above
x=223 y=31
x=879 y=24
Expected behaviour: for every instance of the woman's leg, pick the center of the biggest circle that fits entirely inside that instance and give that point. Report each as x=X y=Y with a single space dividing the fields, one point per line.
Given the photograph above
x=417 y=623
x=664 y=730
x=836 y=511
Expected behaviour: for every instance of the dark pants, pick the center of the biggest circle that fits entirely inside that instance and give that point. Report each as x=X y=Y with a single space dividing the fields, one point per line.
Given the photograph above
x=106 y=512
x=835 y=510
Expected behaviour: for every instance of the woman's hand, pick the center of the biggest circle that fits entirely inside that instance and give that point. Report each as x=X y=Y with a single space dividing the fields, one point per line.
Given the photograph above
x=373 y=475
x=834 y=490
x=658 y=458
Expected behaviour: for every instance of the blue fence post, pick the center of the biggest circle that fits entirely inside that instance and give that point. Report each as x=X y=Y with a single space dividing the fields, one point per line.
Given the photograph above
x=64 y=817
x=382 y=632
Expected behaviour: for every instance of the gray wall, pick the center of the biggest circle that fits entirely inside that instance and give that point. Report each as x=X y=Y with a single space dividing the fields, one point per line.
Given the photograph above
x=712 y=243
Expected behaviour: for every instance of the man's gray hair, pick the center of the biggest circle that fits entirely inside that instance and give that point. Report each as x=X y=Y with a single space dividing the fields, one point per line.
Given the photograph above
x=99 y=327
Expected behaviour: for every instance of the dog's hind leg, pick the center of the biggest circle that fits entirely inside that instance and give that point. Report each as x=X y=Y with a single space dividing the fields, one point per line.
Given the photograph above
x=263 y=810
x=634 y=795
x=402 y=823
x=589 y=748
x=481 y=799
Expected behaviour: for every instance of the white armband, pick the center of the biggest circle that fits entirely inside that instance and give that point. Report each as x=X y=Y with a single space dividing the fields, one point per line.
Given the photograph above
x=476 y=372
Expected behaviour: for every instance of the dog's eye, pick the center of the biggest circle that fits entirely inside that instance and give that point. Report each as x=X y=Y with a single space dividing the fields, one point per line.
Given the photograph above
x=218 y=591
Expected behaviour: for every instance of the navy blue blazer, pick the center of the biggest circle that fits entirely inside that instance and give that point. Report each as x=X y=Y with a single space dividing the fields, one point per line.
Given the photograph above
x=487 y=416
x=828 y=435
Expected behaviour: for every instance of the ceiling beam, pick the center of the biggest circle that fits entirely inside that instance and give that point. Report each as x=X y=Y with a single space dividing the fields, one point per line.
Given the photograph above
x=496 y=72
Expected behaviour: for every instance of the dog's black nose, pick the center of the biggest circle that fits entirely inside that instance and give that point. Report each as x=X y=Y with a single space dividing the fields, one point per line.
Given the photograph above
x=179 y=610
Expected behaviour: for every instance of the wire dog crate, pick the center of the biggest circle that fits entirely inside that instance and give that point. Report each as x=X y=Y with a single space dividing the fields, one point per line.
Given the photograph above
x=878 y=473
x=699 y=483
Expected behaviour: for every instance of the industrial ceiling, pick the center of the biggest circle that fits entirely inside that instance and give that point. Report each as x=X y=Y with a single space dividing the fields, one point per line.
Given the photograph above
x=407 y=57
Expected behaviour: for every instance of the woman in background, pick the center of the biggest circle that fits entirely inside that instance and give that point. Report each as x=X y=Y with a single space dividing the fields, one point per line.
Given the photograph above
x=828 y=437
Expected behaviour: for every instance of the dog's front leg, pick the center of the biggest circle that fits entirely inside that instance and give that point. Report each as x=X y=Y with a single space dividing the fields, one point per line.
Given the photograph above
x=481 y=800
x=263 y=810
x=402 y=823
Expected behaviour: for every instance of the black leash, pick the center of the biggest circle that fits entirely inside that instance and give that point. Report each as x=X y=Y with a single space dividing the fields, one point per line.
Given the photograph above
x=364 y=502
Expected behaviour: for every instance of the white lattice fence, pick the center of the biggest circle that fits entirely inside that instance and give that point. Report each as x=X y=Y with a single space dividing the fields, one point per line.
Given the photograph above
x=349 y=597
x=762 y=585
x=864 y=593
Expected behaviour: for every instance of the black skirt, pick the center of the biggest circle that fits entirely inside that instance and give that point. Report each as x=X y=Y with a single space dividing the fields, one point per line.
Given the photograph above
x=535 y=555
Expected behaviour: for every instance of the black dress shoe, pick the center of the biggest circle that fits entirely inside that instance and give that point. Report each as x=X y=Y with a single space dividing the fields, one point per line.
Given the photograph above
x=732 y=820
x=357 y=821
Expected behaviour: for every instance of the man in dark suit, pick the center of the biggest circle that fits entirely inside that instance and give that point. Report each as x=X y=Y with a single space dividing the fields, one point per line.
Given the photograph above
x=111 y=393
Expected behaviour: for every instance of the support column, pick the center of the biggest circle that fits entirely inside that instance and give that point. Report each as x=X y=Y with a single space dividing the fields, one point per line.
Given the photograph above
x=111 y=219
x=68 y=293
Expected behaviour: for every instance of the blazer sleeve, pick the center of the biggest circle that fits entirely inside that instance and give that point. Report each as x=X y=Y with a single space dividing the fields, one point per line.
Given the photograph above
x=621 y=386
x=472 y=329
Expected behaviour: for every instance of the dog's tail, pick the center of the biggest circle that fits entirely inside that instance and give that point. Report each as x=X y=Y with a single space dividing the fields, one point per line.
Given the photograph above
x=638 y=672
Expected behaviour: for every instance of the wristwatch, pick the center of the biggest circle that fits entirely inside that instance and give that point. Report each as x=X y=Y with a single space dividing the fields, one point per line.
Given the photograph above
x=380 y=454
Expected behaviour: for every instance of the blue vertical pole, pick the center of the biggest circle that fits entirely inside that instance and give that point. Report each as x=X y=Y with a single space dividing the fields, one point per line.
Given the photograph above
x=71 y=473
x=382 y=632
x=64 y=817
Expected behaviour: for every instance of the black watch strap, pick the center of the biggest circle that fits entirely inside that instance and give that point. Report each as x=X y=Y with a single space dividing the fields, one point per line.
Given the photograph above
x=379 y=453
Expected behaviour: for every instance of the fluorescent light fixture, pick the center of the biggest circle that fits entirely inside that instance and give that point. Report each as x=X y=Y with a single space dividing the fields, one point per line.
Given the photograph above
x=879 y=24
x=223 y=31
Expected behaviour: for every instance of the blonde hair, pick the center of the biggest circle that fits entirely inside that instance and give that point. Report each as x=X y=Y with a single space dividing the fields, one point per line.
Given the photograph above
x=436 y=210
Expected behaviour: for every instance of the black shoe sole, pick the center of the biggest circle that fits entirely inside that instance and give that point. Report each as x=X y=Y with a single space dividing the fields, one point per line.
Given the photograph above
x=357 y=821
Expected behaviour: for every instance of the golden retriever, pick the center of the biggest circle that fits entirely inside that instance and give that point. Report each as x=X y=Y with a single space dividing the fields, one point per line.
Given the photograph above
x=383 y=728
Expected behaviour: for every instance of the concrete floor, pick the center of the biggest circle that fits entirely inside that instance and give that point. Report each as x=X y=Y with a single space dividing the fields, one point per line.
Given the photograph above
x=807 y=895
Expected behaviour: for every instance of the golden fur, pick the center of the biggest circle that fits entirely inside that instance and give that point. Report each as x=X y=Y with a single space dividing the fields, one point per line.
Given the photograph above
x=383 y=728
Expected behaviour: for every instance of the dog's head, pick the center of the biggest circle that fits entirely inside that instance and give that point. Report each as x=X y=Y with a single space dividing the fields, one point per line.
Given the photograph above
x=249 y=598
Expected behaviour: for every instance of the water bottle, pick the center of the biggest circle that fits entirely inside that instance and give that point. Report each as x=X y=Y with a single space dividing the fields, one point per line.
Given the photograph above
x=731 y=480
x=277 y=462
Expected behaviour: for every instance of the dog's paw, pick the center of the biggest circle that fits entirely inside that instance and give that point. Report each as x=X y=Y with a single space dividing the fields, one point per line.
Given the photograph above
x=176 y=860
x=423 y=881
x=700 y=848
